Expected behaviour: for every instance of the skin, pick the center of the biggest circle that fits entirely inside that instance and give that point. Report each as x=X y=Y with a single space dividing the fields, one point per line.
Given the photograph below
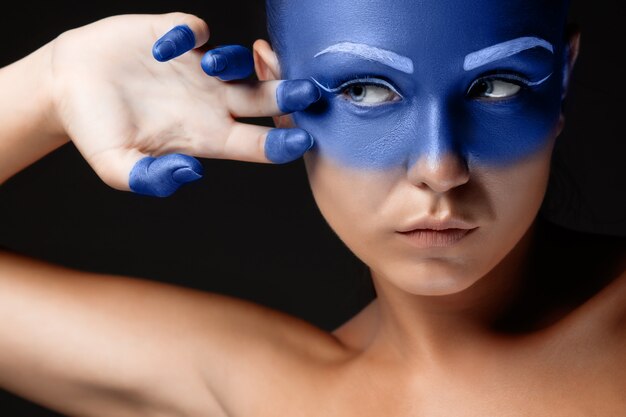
x=120 y=135
x=161 y=176
x=425 y=347
x=428 y=169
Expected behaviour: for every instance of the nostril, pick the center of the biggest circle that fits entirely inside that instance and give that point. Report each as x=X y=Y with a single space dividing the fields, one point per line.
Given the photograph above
x=440 y=175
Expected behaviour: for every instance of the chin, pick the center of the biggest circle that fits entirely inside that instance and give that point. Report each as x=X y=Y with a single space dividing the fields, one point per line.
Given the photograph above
x=431 y=277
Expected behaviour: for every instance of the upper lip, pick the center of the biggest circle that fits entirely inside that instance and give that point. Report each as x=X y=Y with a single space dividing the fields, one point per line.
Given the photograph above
x=433 y=223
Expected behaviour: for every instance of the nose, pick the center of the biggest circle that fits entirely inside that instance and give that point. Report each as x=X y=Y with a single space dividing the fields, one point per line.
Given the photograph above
x=441 y=174
x=437 y=162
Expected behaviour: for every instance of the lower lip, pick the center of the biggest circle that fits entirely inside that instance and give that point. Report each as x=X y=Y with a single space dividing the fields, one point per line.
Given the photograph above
x=427 y=238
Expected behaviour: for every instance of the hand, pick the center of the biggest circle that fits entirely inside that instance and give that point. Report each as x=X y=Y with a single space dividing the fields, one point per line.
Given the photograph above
x=136 y=120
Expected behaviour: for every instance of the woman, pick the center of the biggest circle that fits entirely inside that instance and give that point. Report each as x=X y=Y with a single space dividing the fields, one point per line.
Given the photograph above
x=433 y=136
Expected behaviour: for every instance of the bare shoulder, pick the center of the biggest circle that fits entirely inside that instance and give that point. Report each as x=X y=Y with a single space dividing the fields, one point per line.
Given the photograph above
x=165 y=347
x=251 y=353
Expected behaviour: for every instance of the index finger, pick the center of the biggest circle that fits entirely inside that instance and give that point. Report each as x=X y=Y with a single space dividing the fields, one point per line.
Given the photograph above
x=189 y=32
x=270 y=98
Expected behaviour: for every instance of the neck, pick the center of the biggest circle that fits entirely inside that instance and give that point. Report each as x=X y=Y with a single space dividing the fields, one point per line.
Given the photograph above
x=435 y=327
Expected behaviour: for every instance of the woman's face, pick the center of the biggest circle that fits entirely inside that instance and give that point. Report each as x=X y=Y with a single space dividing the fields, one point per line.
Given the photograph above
x=431 y=110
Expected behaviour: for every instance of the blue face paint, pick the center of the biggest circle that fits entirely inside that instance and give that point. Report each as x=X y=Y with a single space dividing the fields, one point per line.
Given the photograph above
x=403 y=80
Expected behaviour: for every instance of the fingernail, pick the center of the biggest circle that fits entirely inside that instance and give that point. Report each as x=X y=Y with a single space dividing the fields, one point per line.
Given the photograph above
x=174 y=43
x=296 y=95
x=165 y=50
x=185 y=175
x=214 y=63
x=286 y=145
x=299 y=141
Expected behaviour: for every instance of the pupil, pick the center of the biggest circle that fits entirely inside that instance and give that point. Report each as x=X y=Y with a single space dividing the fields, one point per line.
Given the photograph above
x=486 y=87
x=358 y=92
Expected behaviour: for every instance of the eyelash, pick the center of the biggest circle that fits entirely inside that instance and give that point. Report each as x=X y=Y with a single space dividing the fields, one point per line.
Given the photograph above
x=356 y=79
x=514 y=78
x=347 y=82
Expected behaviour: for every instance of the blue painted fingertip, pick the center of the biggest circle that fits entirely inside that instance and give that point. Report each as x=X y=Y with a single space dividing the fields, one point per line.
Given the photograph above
x=174 y=43
x=162 y=176
x=214 y=63
x=296 y=95
x=185 y=175
x=286 y=145
x=232 y=62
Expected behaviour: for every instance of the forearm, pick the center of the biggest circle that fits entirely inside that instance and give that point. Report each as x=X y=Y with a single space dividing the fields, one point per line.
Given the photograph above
x=87 y=344
x=28 y=127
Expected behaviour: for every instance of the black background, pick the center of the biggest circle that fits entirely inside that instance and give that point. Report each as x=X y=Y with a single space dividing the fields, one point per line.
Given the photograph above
x=253 y=230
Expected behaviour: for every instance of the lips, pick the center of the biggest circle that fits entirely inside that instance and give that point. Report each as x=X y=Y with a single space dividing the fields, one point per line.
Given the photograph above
x=437 y=224
x=432 y=232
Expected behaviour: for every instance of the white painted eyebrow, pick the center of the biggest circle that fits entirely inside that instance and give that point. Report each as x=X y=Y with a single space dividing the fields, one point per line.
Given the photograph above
x=503 y=50
x=383 y=56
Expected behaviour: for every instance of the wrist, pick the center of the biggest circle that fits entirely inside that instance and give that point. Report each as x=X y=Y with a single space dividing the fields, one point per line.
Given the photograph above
x=30 y=126
x=47 y=98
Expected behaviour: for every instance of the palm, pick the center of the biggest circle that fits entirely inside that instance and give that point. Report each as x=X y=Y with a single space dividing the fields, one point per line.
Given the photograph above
x=122 y=98
x=122 y=107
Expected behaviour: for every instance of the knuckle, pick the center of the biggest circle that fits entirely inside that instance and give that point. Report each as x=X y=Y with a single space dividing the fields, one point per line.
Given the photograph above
x=175 y=17
x=197 y=24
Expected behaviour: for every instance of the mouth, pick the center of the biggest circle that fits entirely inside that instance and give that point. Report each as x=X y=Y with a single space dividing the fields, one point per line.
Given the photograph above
x=436 y=233
x=429 y=238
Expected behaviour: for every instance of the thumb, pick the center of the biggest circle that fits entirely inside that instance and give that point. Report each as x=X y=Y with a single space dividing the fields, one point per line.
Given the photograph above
x=142 y=174
x=183 y=32
x=162 y=176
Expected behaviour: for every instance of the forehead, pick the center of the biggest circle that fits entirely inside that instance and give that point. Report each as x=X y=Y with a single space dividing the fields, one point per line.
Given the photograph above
x=423 y=30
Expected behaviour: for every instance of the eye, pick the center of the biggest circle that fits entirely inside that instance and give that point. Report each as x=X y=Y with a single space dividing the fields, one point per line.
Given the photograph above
x=494 y=88
x=364 y=91
x=368 y=94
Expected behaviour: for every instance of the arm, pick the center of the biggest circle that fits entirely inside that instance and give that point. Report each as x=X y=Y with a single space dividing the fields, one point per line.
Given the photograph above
x=29 y=129
x=92 y=345
x=138 y=122
x=88 y=344
x=95 y=345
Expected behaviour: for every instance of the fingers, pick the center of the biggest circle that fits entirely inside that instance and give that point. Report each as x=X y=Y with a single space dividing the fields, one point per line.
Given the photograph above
x=231 y=62
x=270 y=98
x=132 y=170
x=164 y=175
x=296 y=95
x=286 y=145
x=251 y=143
x=188 y=33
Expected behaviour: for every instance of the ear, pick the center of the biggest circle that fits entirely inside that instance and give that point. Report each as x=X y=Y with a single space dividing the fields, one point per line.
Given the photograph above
x=571 y=54
x=267 y=68
x=265 y=61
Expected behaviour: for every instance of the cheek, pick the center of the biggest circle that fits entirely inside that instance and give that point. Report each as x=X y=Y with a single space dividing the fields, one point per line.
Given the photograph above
x=350 y=200
x=515 y=194
x=364 y=140
x=503 y=134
